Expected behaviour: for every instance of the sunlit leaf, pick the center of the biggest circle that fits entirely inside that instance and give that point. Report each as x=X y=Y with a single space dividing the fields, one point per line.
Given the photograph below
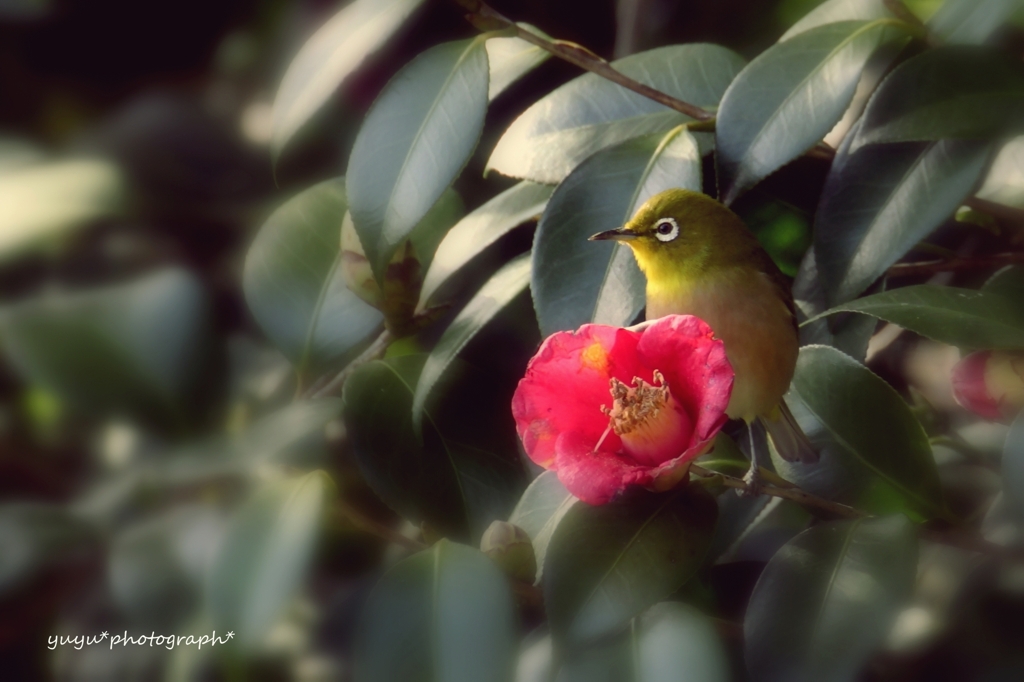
x=881 y=200
x=443 y=615
x=785 y=101
x=459 y=473
x=265 y=555
x=959 y=317
x=329 y=57
x=971 y=21
x=512 y=58
x=480 y=229
x=414 y=141
x=1004 y=183
x=498 y=292
x=43 y=200
x=576 y=281
x=607 y=564
x=138 y=348
x=293 y=283
x=872 y=425
x=590 y=113
x=824 y=603
x=834 y=11
x=949 y=92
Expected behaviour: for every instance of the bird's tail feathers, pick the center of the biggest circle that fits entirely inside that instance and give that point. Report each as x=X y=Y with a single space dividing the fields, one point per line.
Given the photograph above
x=788 y=438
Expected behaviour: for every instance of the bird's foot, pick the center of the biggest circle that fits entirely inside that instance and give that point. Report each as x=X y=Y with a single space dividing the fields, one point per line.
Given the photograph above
x=753 y=480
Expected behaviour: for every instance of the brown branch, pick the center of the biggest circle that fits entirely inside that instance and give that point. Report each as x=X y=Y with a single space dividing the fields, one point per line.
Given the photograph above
x=374 y=352
x=955 y=264
x=788 y=493
x=485 y=17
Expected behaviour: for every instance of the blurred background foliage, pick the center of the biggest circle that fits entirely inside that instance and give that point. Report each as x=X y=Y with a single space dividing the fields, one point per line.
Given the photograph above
x=155 y=473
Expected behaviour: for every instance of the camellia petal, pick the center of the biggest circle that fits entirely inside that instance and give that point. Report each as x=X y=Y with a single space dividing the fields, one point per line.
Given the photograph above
x=607 y=407
x=990 y=383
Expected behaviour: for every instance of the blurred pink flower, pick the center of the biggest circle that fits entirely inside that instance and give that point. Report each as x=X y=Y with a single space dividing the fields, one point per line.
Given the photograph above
x=990 y=383
x=608 y=407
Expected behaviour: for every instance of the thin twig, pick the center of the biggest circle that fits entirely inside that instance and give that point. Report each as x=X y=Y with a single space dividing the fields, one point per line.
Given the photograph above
x=372 y=527
x=485 y=17
x=789 y=493
x=374 y=352
x=955 y=264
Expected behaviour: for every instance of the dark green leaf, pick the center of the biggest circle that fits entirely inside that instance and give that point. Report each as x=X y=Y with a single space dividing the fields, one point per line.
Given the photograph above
x=970 y=21
x=576 y=281
x=948 y=92
x=607 y=564
x=512 y=58
x=480 y=229
x=834 y=11
x=872 y=426
x=850 y=335
x=825 y=602
x=959 y=317
x=881 y=200
x=785 y=101
x=498 y=292
x=265 y=555
x=414 y=141
x=138 y=348
x=293 y=283
x=590 y=113
x=1008 y=283
x=329 y=57
x=443 y=615
x=459 y=475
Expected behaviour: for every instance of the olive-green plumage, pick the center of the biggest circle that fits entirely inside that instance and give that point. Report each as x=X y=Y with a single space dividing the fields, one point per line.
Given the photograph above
x=700 y=259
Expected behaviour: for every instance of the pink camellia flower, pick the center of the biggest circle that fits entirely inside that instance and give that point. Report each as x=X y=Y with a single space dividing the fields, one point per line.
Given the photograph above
x=608 y=407
x=990 y=383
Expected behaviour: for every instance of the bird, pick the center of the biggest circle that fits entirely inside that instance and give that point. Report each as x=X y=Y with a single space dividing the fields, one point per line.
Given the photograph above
x=699 y=258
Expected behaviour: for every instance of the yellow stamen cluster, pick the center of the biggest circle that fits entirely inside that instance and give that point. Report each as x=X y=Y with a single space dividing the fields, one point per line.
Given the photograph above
x=635 y=405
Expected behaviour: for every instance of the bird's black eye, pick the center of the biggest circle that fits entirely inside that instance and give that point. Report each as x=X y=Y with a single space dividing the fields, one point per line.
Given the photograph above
x=666 y=229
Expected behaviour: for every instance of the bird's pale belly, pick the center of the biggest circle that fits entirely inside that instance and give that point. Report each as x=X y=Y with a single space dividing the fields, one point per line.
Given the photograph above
x=757 y=328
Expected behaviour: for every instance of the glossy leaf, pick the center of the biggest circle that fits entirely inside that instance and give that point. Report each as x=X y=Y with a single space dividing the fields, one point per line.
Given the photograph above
x=590 y=113
x=949 y=92
x=970 y=21
x=1007 y=282
x=265 y=555
x=959 y=317
x=480 y=229
x=850 y=335
x=540 y=510
x=512 y=58
x=44 y=200
x=881 y=200
x=576 y=281
x=293 y=283
x=459 y=474
x=498 y=292
x=834 y=11
x=1013 y=468
x=416 y=138
x=785 y=101
x=329 y=57
x=607 y=564
x=1004 y=183
x=824 y=603
x=137 y=348
x=449 y=610
x=871 y=424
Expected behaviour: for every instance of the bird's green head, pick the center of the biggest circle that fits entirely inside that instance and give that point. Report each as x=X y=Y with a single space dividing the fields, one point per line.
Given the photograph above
x=681 y=234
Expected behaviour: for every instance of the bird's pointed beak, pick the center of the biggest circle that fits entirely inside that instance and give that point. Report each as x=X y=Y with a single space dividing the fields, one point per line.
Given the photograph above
x=619 y=234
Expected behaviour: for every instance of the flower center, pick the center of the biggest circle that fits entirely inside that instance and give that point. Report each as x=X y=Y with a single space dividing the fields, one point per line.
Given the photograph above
x=653 y=427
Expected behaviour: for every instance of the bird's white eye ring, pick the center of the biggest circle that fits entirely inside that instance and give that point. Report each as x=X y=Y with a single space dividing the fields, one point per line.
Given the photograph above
x=666 y=229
